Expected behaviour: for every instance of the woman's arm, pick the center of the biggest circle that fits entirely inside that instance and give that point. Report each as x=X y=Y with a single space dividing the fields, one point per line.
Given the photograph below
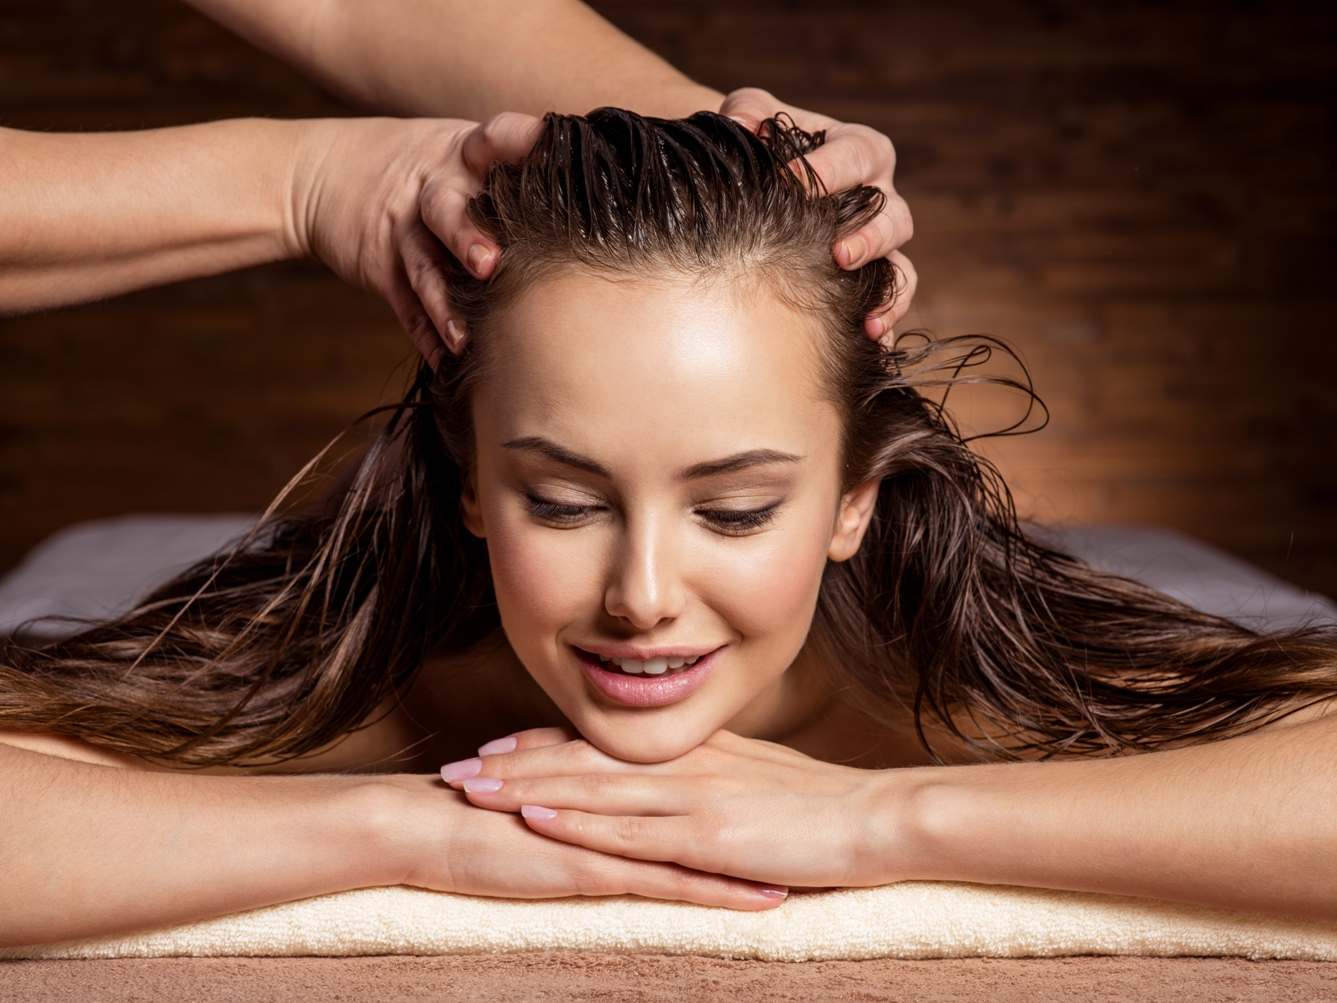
x=90 y=849
x=461 y=58
x=1245 y=823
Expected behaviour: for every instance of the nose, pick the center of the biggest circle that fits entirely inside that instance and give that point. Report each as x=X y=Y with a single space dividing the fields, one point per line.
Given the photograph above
x=645 y=588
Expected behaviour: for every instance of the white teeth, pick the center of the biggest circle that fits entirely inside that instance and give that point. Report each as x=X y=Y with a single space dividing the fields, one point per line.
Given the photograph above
x=651 y=666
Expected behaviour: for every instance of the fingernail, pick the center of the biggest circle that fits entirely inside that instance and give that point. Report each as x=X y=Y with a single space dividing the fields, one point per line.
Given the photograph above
x=478 y=257
x=771 y=891
x=482 y=785
x=461 y=770
x=534 y=811
x=455 y=336
x=875 y=327
x=855 y=249
x=498 y=746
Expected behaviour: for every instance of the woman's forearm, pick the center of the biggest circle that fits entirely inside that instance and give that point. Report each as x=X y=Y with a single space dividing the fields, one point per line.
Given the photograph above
x=84 y=216
x=89 y=850
x=1248 y=823
x=464 y=59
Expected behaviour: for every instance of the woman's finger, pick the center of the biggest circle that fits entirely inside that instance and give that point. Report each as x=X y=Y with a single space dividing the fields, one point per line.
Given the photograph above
x=599 y=793
x=547 y=760
x=532 y=738
x=640 y=837
x=682 y=884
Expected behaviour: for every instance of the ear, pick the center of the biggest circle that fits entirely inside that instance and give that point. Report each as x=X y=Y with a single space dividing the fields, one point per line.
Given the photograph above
x=471 y=512
x=856 y=511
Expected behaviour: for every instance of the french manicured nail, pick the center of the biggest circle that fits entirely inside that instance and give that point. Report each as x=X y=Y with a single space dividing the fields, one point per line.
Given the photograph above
x=479 y=258
x=462 y=770
x=534 y=811
x=482 y=785
x=855 y=249
x=498 y=746
x=774 y=891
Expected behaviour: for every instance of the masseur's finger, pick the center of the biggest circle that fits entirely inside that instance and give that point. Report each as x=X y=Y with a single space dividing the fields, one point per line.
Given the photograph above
x=750 y=106
x=503 y=138
x=412 y=316
x=857 y=155
x=877 y=325
x=423 y=260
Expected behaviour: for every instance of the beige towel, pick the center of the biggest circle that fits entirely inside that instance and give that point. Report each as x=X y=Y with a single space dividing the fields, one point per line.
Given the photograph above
x=908 y=920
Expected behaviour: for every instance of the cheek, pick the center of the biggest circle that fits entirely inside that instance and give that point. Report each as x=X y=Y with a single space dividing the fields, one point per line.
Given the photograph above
x=543 y=579
x=767 y=589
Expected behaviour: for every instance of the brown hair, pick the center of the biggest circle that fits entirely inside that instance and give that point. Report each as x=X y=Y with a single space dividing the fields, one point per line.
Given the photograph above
x=294 y=639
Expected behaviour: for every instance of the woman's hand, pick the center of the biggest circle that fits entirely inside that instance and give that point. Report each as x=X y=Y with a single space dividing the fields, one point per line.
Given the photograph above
x=381 y=201
x=852 y=155
x=460 y=849
x=732 y=805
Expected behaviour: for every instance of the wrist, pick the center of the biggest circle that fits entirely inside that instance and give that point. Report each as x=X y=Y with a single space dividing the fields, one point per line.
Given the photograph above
x=915 y=819
x=373 y=820
x=307 y=148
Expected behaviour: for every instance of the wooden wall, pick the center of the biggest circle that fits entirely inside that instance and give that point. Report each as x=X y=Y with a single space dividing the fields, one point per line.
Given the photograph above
x=1140 y=197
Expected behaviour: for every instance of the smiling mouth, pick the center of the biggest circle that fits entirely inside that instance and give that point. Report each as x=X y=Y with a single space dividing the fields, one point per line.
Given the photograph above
x=649 y=667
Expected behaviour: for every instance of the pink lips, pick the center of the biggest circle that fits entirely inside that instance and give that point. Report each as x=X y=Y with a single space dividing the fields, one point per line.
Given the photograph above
x=647 y=691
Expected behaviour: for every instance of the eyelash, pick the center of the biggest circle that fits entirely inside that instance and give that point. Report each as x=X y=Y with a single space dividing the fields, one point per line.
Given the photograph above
x=732 y=521
x=553 y=512
x=738 y=521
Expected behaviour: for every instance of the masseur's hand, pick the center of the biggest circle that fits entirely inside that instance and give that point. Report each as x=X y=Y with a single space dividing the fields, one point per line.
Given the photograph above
x=732 y=805
x=380 y=200
x=454 y=847
x=852 y=155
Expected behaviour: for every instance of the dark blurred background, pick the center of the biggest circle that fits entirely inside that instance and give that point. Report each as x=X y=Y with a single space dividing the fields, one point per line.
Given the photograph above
x=1138 y=196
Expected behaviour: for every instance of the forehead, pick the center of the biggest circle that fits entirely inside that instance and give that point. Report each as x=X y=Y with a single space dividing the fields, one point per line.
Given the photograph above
x=679 y=366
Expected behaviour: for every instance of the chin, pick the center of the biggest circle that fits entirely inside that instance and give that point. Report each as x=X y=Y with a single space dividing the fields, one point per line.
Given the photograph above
x=639 y=741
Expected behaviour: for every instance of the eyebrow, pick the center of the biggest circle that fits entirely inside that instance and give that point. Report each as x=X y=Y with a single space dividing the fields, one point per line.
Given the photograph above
x=727 y=465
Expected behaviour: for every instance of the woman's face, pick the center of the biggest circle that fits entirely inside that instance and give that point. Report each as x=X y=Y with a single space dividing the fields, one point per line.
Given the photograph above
x=658 y=480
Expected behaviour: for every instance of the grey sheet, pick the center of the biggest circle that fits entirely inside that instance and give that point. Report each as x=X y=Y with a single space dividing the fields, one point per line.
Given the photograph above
x=97 y=569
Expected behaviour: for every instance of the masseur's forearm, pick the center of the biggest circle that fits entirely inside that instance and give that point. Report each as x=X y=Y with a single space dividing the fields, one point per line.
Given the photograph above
x=464 y=59
x=85 y=216
x=1248 y=823
x=88 y=849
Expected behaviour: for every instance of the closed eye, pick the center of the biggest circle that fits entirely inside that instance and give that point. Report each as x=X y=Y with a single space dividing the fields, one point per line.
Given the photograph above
x=738 y=521
x=558 y=514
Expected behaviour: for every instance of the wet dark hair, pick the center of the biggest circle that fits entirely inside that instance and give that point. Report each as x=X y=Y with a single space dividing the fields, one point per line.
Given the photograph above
x=949 y=608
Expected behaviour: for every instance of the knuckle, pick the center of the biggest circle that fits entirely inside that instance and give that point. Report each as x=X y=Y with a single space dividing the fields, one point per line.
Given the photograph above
x=629 y=830
x=595 y=785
